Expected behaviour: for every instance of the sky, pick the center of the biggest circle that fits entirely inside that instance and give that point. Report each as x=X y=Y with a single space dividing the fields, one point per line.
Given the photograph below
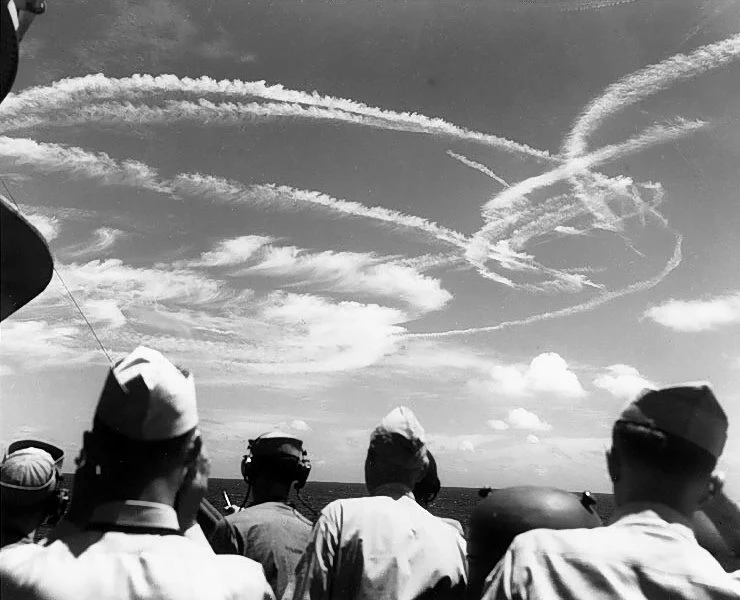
x=509 y=216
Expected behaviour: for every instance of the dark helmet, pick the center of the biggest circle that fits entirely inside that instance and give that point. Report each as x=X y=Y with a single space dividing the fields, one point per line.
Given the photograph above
x=503 y=514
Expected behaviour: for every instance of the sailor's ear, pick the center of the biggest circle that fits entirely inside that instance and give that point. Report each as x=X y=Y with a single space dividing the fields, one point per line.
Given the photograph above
x=613 y=465
x=714 y=487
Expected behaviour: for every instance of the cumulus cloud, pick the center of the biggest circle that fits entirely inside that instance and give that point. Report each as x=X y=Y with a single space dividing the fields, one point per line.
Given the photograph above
x=697 y=315
x=520 y=418
x=498 y=425
x=466 y=446
x=548 y=373
x=533 y=439
x=299 y=425
x=622 y=381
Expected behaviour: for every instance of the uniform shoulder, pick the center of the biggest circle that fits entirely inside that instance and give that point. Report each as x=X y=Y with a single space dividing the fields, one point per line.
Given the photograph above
x=242 y=571
x=17 y=555
x=561 y=540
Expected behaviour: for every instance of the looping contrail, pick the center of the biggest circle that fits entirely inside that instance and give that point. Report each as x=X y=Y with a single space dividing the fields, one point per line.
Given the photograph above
x=511 y=218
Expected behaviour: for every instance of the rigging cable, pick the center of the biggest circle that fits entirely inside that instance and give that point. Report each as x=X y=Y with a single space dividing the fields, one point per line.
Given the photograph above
x=64 y=285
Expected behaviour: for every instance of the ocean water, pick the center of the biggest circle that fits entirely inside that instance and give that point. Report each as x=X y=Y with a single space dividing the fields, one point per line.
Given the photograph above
x=452 y=502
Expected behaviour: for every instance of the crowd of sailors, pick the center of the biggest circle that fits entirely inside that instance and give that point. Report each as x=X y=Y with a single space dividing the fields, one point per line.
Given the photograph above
x=135 y=526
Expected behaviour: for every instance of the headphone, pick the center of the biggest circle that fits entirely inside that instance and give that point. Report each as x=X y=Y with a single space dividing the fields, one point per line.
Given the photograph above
x=253 y=461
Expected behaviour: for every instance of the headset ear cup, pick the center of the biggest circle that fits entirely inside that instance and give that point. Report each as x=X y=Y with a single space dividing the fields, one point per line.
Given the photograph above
x=303 y=471
x=247 y=468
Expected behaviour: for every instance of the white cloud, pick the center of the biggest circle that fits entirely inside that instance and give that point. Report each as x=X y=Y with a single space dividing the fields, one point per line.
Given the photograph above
x=352 y=272
x=299 y=425
x=39 y=343
x=533 y=439
x=498 y=425
x=466 y=446
x=622 y=381
x=104 y=311
x=548 y=373
x=48 y=226
x=231 y=252
x=520 y=418
x=104 y=238
x=697 y=315
x=128 y=284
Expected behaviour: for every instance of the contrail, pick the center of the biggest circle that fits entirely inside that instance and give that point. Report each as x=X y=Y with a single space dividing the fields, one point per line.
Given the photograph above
x=646 y=82
x=640 y=286
x=507 y=199
x=477 y=166
x=55 y=158
x=652 y=136
x=68 y=93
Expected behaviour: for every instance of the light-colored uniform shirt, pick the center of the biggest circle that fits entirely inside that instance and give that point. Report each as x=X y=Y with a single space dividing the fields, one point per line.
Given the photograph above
x=382 y=547
x=272 y=533
x=130 y=550
x=648 y=552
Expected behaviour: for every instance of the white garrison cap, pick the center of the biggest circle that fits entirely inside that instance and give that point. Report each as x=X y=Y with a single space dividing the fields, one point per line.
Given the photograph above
x=400 y=440
x=27 y=476
x=147 y=398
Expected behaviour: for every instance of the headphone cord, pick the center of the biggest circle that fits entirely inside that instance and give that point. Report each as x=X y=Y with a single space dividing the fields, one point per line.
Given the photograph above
x=246 y=496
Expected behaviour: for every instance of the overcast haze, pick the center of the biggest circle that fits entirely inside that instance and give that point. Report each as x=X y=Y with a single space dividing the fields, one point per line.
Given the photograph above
x=510 y=217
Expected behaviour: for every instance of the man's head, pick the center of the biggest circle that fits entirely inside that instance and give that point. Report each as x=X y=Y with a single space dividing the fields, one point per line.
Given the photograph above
x=273 y=463
x=30 y=479
x=397 y=452
x=145 y=427
x=665 y=446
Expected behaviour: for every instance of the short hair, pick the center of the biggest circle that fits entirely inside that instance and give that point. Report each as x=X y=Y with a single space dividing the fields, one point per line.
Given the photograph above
x=387 y=472
x=661 y=451
x=281 y=468
x=129 y=457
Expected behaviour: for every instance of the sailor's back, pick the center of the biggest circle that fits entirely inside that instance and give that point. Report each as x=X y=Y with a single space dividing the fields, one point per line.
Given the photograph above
x=649 y=552
x=272 y=533
x=122 y=566
x=384 y=546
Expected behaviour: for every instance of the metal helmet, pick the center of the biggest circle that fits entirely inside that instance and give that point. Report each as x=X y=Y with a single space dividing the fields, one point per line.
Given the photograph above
x=503 y=514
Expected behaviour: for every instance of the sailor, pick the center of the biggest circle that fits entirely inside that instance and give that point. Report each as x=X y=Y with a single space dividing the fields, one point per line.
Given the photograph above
x=427 y=489
x=665 y=446
x=505 y=513
x=386 y=545
x=269 y=530
x=30 y=490
x=148 y=459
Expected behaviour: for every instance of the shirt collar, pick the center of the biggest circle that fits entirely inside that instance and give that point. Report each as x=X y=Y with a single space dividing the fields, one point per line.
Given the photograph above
x=642 y=513
x=394 y=490
x=136 y=513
